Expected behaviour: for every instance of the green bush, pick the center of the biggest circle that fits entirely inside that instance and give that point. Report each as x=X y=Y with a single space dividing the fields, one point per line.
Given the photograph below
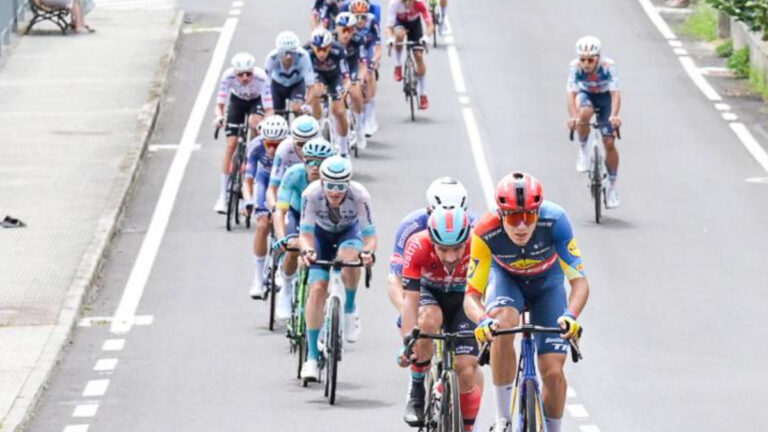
x=757 y=82
x=738 y=62
x=725 y=49
x=753 y=13
x=702 y=23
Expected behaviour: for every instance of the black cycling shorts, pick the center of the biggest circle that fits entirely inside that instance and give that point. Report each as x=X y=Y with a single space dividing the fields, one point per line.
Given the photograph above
x=237 y=108
x=281 y=93
x=333 y=81
x=412 y=28
x=454 y=318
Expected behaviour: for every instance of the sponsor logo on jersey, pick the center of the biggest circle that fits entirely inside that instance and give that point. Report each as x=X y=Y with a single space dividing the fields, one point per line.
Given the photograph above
x=573 y=248
x=472 y=268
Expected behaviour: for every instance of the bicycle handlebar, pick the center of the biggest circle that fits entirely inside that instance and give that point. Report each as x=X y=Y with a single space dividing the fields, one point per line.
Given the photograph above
x=338 y=265
x=595 y=125
x=407 y=44
x=484 y=355
x=416 y=334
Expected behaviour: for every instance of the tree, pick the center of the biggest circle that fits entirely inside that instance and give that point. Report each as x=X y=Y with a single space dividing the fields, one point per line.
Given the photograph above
x=753 y=13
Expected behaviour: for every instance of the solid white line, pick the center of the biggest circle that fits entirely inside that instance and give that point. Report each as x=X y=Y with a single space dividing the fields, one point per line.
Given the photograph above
x=113 y=345
x=463 y=100
x=448 y=40
x=76 y=428
x=105 y=365
x=589 y=428
x=96 y=388
x=577 y=410
x=85 y=410
x=751 y=144
x=759 y=180
x=237 y=4
x=448 y=27
x=158 y=147
x=479 y=155
x=656 y=19
x=458 y=77
x=698 y=79
x=137 y=280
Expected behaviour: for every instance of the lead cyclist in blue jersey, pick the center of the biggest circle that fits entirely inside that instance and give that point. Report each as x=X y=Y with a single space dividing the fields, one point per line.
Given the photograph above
x=594 y=85
x=288 y=213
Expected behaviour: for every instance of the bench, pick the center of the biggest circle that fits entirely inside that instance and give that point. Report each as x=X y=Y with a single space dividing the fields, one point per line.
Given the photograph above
x=41 y=12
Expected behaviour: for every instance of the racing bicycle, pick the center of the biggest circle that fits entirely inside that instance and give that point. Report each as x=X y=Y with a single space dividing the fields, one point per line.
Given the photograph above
x=527 y=401
x=236 y=175
x=442 y=410
x=330 y=342
x=271 y=266
x=410 y=87
x=597 y=173
x=296 y=328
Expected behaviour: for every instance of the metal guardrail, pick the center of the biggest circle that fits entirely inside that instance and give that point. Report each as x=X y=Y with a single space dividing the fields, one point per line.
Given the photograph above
x=11 y=13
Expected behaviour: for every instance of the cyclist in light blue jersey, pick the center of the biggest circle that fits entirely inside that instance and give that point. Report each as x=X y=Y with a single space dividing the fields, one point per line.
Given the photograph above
x=289 y=72
x=593 y=87
x=288 y=213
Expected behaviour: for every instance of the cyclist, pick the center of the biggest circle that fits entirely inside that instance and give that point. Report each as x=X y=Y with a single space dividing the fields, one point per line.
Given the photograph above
x=354 y=45
x=368 y=25
x=240 y=91
x=288 y=210
x=594 y=86
x=336 y=222
x=527 y=246
x=332 y=76
x=290 y=73
x=289 y=152
x=405 y=19
x=435 y=275
x=260 y=157
x=442 y=192
x=324 y=13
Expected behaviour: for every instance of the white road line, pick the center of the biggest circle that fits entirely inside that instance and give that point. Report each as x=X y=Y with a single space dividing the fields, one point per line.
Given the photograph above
x=758 y=180
x=105 y=365
x=730 y=116
x=113 y=345
x=589 y=428
x=458 y=76
x=577 y=410
x=237 y=4
x=85 y=410
x=96 y=388
x=195 y=30
x=656 y=19
x=137 y=281
x=158 y=147
x=680 y=51
x=483 y=171
x=464 y=100
x=722 y=106
x=235 y=12
x=675 y=43
x=92 y=321
x=76 y=428
x=751 y=144
x=699 y=80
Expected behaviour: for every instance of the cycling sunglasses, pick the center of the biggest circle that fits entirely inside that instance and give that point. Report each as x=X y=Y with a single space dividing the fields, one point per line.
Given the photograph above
x=513 y=218
x=588 y=60
x=346 y=29
x=319 y=50
x=244 y=74
x=335 y=186
x=313 y=162
x=271 y=144
x=361 y=17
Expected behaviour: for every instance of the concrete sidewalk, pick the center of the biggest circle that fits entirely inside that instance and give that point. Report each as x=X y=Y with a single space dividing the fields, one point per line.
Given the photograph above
x=75 y=115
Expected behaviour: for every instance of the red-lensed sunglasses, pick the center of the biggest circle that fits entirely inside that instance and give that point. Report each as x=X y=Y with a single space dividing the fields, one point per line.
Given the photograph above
x=513 y=218
x=271 y=144
x=588 y=60
x=346 y=30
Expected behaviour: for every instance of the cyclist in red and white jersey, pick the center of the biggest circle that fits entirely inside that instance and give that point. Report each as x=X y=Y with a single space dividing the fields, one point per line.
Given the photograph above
x=405 y=19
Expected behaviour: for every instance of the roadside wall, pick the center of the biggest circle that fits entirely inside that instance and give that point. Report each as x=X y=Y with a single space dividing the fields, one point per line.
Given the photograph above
x=758 y=49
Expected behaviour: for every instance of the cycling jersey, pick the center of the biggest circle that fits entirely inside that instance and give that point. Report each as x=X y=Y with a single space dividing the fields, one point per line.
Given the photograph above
x=423 y=268
x=229 y=84
x=326 y=11
x=371 y=34
x=285 y=157
x=355 y=50
x=334 y=62
x=354 y=210
x=552 y=242
x=412 y=223
x=291 y=187
x=300 y=70
x=400 y=13
x=602 y=79
x=258 y=167
x=374 y=9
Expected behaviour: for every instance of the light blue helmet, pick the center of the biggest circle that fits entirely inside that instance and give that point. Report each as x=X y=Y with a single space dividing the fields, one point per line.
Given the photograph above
x=304 y=128
x=317 y=148
x=336 y=169
x=448 y=227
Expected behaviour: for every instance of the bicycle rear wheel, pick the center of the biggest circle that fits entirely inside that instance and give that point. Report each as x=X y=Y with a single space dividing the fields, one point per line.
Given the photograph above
x=450 y=408
x=271 y=289
x=597 y=185
x=333 y=348
x=233 y=198
x=533 y=418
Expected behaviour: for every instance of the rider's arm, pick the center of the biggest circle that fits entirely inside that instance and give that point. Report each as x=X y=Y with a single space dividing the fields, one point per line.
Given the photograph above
x=477 y=277
x=251 y=168
x=412 y=286
x=272 y=196
x=572 y=89
x=367 y=228
x=307 y=70
x=266 y=96
x=283 y=204
x=307 y=223
x=425 y=15
x=222 y=95
x=570 y=261
x=615 y=103
x=613 y=87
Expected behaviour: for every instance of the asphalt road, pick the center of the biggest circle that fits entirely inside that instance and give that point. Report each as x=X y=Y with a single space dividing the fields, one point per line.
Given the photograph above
x=672 y=337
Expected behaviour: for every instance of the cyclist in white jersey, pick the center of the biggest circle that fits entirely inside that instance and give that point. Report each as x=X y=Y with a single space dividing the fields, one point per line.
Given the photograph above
x=241 y=91
x=335 y=217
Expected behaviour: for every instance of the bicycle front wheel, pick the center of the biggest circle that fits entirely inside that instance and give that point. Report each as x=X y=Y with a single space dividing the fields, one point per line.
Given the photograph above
x=333 y=347
x=272 y=291
x=233 y=199
x=450 y=408
x=533 y=417
x=597 y=185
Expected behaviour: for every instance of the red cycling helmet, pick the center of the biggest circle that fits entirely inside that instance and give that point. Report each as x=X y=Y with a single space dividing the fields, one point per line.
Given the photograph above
x=519 y=191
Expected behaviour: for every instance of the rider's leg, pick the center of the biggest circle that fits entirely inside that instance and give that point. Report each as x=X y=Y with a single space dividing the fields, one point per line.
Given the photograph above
x=254 y=119
x=611 y=157
x=260 y=246
x=349 y=251
x=318 y=291
x=582 y=128
x=554 y=388
x=421 y=71
x=316 y=92
x=470 y=390
x=399 y=38
x=225 y=165
x=429 y=321
x=504 y=360
x=342 y=125
x=443 y=8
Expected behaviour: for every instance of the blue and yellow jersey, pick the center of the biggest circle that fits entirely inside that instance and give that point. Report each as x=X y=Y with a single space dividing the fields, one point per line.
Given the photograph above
x=551 y=243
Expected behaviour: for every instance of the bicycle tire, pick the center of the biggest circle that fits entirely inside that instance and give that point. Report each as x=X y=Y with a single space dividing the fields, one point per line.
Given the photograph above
x=597 y=187
x=532 y=416
x=231 y=199
x=450 y=408
x=430 y=402
x=248 y=218
x=272 y=292
x=303 y=351
x=436 y=24
x=333 y=343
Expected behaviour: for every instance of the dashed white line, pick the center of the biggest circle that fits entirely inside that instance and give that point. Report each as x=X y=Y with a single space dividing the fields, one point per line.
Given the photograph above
x=464 y=100
x=570 y=393
x=577 y=410
x=158 y=147
x=675 y=43
x=113 y=345
x=722 y=107
x=458 y=76
x=137 y=281
x=656 y=19
x=85 y=410
x=730 y=116
x=699 y=80
x=96 y=388
x=137 y=320
x=105 y=365
x=76 y=428
x=235 y=12
x=680 y=51
x=237 y=4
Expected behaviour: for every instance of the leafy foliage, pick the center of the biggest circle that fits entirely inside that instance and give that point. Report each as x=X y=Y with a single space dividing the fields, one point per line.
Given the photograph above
x=753 y=13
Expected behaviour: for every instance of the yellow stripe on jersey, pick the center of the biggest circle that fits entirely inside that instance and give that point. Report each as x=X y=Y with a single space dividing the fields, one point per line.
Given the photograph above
x=570 y=272
x=479 y=264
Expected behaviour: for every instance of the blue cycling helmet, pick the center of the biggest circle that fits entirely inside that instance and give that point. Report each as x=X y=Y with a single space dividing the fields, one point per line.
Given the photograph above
x=304 y=127
x=336 y=169
x=317 y=148
x=448 y=227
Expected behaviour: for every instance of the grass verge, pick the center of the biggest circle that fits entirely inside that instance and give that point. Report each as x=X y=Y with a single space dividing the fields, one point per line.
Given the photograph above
x=702 y=23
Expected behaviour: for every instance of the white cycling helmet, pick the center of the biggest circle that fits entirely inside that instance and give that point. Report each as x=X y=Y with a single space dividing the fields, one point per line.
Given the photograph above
x=321 y=37
x=287 y=41
x=304 y=128
x=448 y=193
x=243 y=62
x=274 y=128
x=346 y=19
x=336 y=169
x=588 y=46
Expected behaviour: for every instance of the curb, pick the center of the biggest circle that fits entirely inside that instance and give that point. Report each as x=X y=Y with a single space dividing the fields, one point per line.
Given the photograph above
x=88 y=270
